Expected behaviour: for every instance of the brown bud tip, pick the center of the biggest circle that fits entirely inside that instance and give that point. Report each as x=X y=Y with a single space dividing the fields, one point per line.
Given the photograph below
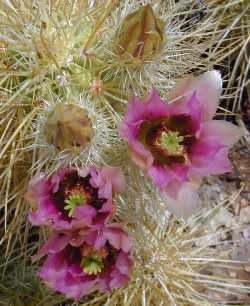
x=141 y=35
x=68 y=126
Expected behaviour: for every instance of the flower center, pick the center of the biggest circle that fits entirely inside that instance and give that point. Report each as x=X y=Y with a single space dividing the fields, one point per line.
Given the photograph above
x=74 y=191
x=74 y=197
x=170 y=141
x=92 y=265
x=92 y=261
x=73 y=201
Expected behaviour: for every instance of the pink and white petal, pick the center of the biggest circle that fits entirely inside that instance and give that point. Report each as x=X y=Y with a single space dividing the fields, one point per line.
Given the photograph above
x=208 y=88
x=185 y=203
x=221 y=131
x=178 y=93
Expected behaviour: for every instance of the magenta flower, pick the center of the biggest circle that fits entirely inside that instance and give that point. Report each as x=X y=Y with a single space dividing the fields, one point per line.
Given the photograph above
x=73 y=198
x=101 y=262
x=178 y=143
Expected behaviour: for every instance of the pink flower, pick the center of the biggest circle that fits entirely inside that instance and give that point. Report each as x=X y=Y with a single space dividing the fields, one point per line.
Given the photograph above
x=73 y=198
x=101 y=262
x=178 y=143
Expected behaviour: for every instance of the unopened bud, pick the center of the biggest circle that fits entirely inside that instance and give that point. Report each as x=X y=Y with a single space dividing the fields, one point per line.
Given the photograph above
x=68 y=126
x=141 y=35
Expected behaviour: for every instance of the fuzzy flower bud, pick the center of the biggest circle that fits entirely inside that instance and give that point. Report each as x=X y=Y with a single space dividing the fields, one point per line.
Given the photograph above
x=68 y=126
x=141 y=34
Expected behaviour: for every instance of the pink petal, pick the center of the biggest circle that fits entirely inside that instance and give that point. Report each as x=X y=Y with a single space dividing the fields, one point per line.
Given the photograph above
x=155 y=107
x=53 y=268
x=205 y=150
x=178 y=93
x=216 y=164
x=66 y=278
x=118 y=238
x=115 y=176
x=152 y=108
x=138 y=111
x=195 y=111
x=75 y=287
x=140 y=156
x=55 y=244
x=118 y=279
x=221 y=131
x=163 y=175
x=79 y=239
x=45 y=212
x=108 y=180
x=57 y=177
x=83 y=172
x=160 y=176
x=96 y=239
x=85 y=214
x=61 y=225
x=38 y=187
x=124 y=263
x=185 y=203
x=173 y=188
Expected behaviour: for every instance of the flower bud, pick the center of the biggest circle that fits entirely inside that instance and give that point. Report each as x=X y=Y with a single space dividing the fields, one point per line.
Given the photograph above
x=141 y=35
x=68 y=126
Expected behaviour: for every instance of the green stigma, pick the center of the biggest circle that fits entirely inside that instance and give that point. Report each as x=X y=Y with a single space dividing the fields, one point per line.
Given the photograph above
x=92 y=265
x=170 y=141
x=72 y=202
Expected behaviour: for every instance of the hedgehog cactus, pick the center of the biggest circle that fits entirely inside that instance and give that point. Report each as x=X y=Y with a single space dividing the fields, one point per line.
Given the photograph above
x=107 y=177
